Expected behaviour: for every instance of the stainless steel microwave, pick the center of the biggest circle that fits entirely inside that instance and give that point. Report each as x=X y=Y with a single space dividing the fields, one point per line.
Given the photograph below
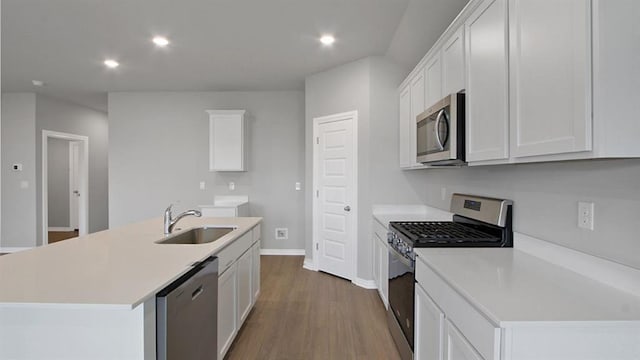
x=440 y=132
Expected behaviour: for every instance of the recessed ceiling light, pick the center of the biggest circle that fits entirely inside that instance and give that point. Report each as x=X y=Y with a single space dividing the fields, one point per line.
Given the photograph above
x=112 y=64
x=37 y=83
x=327 y=40
x=160 y=41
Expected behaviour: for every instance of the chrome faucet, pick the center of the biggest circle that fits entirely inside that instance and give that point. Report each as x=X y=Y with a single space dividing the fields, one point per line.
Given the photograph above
x=170 y=222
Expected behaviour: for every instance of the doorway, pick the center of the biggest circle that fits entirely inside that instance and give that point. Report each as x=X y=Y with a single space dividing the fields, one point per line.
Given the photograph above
x=64 y=186
x=335 y=224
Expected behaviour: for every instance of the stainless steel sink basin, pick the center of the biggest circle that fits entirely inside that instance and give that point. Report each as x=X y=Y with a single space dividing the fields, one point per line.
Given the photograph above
x=202 y=235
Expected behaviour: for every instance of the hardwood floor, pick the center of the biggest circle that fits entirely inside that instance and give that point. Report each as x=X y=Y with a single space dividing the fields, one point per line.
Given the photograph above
x=302 y=314
x=55 y=236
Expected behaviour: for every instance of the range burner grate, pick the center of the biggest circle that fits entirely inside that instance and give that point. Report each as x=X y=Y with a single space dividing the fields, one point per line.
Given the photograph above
x=444 y=232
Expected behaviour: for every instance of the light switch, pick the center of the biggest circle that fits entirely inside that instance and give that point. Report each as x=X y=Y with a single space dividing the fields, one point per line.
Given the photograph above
x=202 y=185
x=232 y=185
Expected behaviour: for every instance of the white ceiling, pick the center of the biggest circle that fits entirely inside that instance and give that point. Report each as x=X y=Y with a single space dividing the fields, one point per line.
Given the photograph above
x=217 y=45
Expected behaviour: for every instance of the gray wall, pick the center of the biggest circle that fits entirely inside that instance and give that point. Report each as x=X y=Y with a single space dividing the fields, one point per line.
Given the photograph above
x=18 y=146
x=159 y=153
x=57 y=115
x=546 y=201
x=422 y=24
x=368 y=86
x=58 y=184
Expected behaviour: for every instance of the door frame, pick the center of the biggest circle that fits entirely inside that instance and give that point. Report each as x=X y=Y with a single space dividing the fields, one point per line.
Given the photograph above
x=353 y=115
x=83 y=208
x=74 y=216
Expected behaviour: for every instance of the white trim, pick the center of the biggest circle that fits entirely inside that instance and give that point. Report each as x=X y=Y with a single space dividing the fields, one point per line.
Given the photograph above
x=286 y=252
x=353 y=115
x=74 y=148
x=57 y=228
x=621 y=277
x=83 y=210
x=9 y=250
x=309 y=264
x=367 y=284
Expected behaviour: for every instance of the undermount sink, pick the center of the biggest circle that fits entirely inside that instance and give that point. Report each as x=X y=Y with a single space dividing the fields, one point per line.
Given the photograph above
x=201 y=235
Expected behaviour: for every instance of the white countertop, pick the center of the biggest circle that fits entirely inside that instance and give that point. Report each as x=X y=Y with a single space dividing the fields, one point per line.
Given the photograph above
x=117 y=268
x=387 y=213
x=510 y=287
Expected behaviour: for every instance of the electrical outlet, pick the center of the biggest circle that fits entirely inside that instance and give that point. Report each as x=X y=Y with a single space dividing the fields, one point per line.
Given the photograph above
x=203 y=185
x=282 y=233
x=585 y=215
x=232 y=185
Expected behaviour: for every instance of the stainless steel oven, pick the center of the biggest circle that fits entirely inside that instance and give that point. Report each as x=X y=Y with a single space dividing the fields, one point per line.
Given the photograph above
x=440 y=132
x=401 y=295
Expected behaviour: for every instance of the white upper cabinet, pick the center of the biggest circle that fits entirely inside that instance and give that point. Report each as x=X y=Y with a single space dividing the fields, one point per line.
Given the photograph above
x=405 y=127
x=433 y=81
x=550 y=76
x=453 y=69
x=487 y=122
x=226 y=140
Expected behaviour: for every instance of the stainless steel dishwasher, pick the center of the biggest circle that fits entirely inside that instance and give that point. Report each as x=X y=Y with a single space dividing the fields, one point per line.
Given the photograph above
x=187 y=315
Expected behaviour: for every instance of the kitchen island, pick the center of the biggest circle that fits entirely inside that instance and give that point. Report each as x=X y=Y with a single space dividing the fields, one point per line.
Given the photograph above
x=93 y=297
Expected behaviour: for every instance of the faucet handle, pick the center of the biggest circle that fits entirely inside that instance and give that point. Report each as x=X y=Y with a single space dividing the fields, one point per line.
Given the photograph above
x=168 y=210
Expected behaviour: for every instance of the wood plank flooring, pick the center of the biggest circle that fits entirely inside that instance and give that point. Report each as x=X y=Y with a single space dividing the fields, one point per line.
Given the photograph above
x=55 y=236
x=302 y=314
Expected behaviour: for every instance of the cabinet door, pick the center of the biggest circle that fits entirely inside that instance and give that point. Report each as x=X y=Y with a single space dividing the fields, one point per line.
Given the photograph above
x=407 y=158
x=227 y=309
x=550 y=74
x=376 y=260
x=417 y=107
x=453 y=72
x=384 y=272
x=255 y=277
x=245 y=295
x=429 y=333
x=487 y=126
x=458 y=348
x=433 y=81
x=226 y=140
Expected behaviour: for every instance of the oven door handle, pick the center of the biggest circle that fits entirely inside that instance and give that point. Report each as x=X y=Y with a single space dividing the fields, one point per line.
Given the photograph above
x=402 y=259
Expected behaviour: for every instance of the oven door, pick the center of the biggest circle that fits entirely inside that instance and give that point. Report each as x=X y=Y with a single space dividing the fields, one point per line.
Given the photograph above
x=401 y=292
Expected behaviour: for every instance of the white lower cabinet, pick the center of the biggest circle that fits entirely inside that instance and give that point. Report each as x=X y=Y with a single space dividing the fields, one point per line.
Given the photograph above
x=238 y=286
x=245 y=295
x=458 y=348
x=227 y=309
x=255 y=277
x=429 y=328
x=381 y=261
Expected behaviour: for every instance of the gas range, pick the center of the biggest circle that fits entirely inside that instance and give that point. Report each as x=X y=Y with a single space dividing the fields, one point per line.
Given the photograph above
x=477 y=222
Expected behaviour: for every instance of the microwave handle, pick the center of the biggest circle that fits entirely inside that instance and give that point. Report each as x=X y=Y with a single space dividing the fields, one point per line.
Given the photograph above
x=437 y=127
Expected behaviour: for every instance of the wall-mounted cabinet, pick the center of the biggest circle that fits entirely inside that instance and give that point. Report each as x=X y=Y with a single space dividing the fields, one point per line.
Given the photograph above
x=227 y=140
x=544 y=81
x=487 y=120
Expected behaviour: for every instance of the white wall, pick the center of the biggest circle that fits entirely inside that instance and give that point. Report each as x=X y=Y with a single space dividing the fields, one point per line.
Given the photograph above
x=368 y=86
x=57 y=115
x=18 y=146
x=158 y=154
x=58 y=182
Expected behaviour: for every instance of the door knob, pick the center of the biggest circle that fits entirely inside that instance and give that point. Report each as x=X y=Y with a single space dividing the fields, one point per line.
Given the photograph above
x=347 y=208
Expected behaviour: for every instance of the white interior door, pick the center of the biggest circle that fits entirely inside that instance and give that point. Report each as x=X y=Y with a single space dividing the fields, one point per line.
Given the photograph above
x=74 y=184
x=335 y=179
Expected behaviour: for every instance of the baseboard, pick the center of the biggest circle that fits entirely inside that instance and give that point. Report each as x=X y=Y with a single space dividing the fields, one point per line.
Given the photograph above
x=309 y=265
x=54 y=228
x=366 y=284
x=8 y=250
x=286 y=252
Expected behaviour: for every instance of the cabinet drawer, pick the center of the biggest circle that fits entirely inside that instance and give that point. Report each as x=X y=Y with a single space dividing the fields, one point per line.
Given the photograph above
x=233 y=251
x=480 y=332
x=380 y=230
x=256 y=233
